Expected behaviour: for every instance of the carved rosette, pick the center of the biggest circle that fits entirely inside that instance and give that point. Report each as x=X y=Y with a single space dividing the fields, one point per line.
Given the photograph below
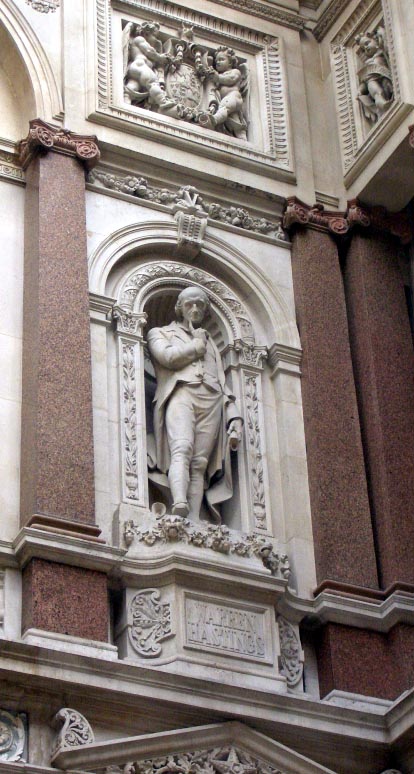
x=43 y=137
x=150 y=623
x=291 y=661
x=73 y=730
x=13 y=736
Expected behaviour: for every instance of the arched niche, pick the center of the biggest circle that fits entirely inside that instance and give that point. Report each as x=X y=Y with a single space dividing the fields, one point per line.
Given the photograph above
x=146 y=296
x=28 y=86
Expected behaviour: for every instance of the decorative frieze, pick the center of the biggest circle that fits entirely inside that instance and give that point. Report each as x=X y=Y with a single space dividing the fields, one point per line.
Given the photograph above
x=44 y=137
x=140 y=188
x=13 y=736
x=328 y=18
x=9 y=167
x=150 y=622
x=169 y=528
x=222 y=760
x=291 y=654
x=73 y=730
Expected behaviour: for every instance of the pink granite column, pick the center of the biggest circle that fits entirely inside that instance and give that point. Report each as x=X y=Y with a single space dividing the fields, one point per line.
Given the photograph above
x=383 y=358
x=57 y=467
x=57 y=473
x=343 y=538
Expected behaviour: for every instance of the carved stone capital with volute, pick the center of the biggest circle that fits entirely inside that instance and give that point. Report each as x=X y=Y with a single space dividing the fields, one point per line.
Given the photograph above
x=298 y=213
x=396 y=223
x=43 y=137
x=127 y=322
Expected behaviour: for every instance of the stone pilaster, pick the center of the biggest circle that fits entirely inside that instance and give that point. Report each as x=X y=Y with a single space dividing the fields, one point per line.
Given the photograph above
x=57 y=466
x=383 y=360
x=344 y=544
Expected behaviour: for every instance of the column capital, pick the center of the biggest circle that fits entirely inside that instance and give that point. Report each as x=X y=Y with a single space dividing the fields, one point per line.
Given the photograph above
x=314 y=216
x=43 y=137
x=396 y=223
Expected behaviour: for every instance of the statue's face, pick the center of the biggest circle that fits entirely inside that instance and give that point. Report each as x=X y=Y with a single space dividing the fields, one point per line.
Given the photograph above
x=193 y=306
x=222 y=62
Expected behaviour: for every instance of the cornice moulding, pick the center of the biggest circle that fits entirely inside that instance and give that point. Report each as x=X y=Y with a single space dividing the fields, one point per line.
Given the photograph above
x=328 y=18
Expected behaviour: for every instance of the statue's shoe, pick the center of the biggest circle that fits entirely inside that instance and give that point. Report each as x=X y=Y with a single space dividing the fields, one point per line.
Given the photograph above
x=180 y=509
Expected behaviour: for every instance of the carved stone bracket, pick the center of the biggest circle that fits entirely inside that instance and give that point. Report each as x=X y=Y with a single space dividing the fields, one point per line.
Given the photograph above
x=190 y=232
x=298 y=213
x=73 y=730
x=13 y=736
x=150 y=622
x=44 y=137
x=174 y=529
x=291 y=654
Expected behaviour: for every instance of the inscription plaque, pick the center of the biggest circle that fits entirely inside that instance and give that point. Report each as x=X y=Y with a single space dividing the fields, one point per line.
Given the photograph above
x=218 y=626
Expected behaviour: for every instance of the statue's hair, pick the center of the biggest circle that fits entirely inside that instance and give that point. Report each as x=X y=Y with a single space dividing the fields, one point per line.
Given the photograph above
x=179 y=303
x=230 y=53
x=146 y=28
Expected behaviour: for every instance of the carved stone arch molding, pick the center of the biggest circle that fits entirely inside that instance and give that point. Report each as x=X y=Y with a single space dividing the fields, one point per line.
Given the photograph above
x=46 y=92
x=106 y=276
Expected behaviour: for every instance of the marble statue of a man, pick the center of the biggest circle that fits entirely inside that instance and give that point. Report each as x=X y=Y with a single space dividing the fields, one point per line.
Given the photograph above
x=194 y=411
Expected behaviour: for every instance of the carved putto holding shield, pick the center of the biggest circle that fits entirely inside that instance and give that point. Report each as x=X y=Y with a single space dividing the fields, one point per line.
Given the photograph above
x=182 y=79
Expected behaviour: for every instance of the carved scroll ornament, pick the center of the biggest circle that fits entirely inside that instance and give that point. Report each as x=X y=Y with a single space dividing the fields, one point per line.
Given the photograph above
x=73 y=730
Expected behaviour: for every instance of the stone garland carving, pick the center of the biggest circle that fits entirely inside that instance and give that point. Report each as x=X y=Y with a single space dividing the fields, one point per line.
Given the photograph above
x=43 y=137
x=44 y=6
x=73 y=730
x=130 y=420
x=186 y=197
x=174 y=529
x=223 y=760
x=254 y=446
x=12 y=736
x=376 y=91
x=172 y=75
x=151 y=623
x=290 y=652
x=168 y=269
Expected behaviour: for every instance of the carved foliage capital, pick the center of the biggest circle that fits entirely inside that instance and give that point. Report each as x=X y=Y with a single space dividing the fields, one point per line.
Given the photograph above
x=396 y=223
x=43 y=137
x=128 y=322
x=298 y=213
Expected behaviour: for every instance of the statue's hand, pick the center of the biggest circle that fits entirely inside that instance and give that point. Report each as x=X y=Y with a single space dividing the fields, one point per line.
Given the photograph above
x=200 y=334
x=235 y=432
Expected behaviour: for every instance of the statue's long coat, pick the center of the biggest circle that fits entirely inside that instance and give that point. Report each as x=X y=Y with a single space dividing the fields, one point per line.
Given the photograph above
x=175 y=359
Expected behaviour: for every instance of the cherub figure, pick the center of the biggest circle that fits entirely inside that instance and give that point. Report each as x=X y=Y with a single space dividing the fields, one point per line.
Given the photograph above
x=376 y=89
x=227 y=98
x=145 y=61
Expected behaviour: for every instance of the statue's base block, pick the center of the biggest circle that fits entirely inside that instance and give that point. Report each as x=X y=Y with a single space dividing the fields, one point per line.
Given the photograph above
x=197 y=634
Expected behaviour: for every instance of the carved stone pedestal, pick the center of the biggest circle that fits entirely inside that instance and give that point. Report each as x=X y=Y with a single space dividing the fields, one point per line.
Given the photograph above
x=200 y=602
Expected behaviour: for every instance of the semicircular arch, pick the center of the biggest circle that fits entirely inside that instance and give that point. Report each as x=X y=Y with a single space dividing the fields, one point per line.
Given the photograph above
x=115 y=258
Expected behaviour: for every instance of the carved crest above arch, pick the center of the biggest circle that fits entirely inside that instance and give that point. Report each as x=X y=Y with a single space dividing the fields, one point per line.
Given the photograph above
x=143 y=281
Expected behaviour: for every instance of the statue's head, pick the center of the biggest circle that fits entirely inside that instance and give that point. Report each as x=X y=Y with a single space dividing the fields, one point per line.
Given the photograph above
x=225 y=59
x=192 y=305
x=147 y=29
